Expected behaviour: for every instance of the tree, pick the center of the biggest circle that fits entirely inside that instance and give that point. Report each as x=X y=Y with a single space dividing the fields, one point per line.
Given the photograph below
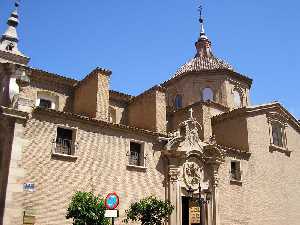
x=149 y=211
x=87 y=209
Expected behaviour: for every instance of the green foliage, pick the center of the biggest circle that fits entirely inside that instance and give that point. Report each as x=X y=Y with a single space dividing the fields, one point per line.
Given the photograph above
x=149 y=211
x=87 y=209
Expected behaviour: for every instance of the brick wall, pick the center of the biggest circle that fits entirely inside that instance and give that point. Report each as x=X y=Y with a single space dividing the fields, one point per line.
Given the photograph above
x=91 y=95
x=232 y=133
x=102 y=96
x=101 y=165
x=148 y=111
x=269 y=194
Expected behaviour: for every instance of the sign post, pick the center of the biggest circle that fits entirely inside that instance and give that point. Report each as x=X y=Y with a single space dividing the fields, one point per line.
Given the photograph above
x=111 y=203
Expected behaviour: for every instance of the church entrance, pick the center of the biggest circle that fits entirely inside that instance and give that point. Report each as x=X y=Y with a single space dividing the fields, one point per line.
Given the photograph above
x=190 y=212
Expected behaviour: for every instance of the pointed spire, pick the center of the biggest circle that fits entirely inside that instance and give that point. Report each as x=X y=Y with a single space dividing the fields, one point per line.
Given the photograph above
x=201 y=20
x=203 y=45
x=11 y=32
x=9 y=40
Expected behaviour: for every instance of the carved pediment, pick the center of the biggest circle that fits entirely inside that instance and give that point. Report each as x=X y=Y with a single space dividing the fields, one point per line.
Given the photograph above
x=186 y=137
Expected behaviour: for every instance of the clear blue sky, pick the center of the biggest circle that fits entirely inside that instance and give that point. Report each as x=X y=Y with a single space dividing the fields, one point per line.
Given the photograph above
x=143 y=42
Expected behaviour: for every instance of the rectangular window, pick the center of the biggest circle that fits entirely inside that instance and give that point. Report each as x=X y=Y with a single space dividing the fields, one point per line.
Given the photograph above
x=64 y=141
x=277 y=134
x=235 y=171
x=135 y=156
x=46 y=104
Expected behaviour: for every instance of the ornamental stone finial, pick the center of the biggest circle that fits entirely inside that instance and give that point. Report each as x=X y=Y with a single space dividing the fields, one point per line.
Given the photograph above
x=9 y=51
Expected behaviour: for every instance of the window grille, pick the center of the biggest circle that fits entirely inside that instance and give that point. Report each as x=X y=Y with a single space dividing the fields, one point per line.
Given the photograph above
x=46 y=104
x=135 y=156
x=64 y=141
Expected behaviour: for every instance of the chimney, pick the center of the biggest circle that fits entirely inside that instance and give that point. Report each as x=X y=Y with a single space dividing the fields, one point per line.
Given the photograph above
x=91 y=95
x=148 y=110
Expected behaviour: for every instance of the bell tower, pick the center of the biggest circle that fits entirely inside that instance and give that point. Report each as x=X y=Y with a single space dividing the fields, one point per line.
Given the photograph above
x=9 y=51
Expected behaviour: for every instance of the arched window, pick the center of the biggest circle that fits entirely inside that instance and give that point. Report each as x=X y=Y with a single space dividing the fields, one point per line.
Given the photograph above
x=207 y=94
x=10 y=47
x=237 y=99
x=178 y=101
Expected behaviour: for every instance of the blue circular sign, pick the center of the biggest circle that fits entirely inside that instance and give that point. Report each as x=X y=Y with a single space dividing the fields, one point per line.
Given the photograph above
x=112 y=201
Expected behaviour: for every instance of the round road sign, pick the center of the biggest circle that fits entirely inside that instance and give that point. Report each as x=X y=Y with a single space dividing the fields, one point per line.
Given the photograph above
x=112 y=201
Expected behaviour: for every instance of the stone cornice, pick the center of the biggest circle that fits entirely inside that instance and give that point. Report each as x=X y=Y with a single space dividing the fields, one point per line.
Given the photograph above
x=233 y=152
x=206 y=103
x=149 y=91
x=95 y=72
x=115 y=95
x=14 y=58
x=13 y=113
x=72 y=116
x=258 y=110
x=233 y=74
x=44 y=75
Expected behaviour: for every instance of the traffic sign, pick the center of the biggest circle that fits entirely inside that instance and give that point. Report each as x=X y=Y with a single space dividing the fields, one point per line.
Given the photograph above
x=112 y=201
x=111 y=213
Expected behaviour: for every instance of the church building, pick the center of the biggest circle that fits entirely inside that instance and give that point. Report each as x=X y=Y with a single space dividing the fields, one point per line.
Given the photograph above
x=196 y=135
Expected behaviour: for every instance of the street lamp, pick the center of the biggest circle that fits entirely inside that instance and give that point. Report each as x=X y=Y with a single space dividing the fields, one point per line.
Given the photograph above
x=201 y=202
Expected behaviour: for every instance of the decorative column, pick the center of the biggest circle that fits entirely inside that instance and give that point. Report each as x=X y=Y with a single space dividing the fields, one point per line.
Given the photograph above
x=215 y=194
x=174 y=194
x=215 y=157
x=13 y=209
x=173 y=177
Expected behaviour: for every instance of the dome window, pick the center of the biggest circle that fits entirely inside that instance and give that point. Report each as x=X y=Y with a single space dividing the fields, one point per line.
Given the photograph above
x=10 y=47
x=207 y=94
x=178 y=101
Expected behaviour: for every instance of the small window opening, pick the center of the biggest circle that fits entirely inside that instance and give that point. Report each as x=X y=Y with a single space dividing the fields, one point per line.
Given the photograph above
x=135 y=157
x=277 y=134
x=10 y=47
x=64 y=141
x=235 y=170
x=178 y=101
x=46 y=104
x=207 y=94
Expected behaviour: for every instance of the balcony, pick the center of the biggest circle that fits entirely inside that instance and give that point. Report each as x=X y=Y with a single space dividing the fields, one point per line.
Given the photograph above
x=64 y=148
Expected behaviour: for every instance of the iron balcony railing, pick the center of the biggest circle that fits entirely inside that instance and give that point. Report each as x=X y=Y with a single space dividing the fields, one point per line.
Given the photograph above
x=63 y=146
x=134 y=159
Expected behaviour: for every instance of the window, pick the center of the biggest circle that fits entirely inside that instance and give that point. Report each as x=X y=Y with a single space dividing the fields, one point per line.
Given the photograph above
x=235 y=171
x=277 y=134
x=178 y=101
x=277 y=129
x=207 y=94
x=46 y=104
x=136 y=155
x=64 y=143
x=10 y=47
x=47 y=100
x=237 y=100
